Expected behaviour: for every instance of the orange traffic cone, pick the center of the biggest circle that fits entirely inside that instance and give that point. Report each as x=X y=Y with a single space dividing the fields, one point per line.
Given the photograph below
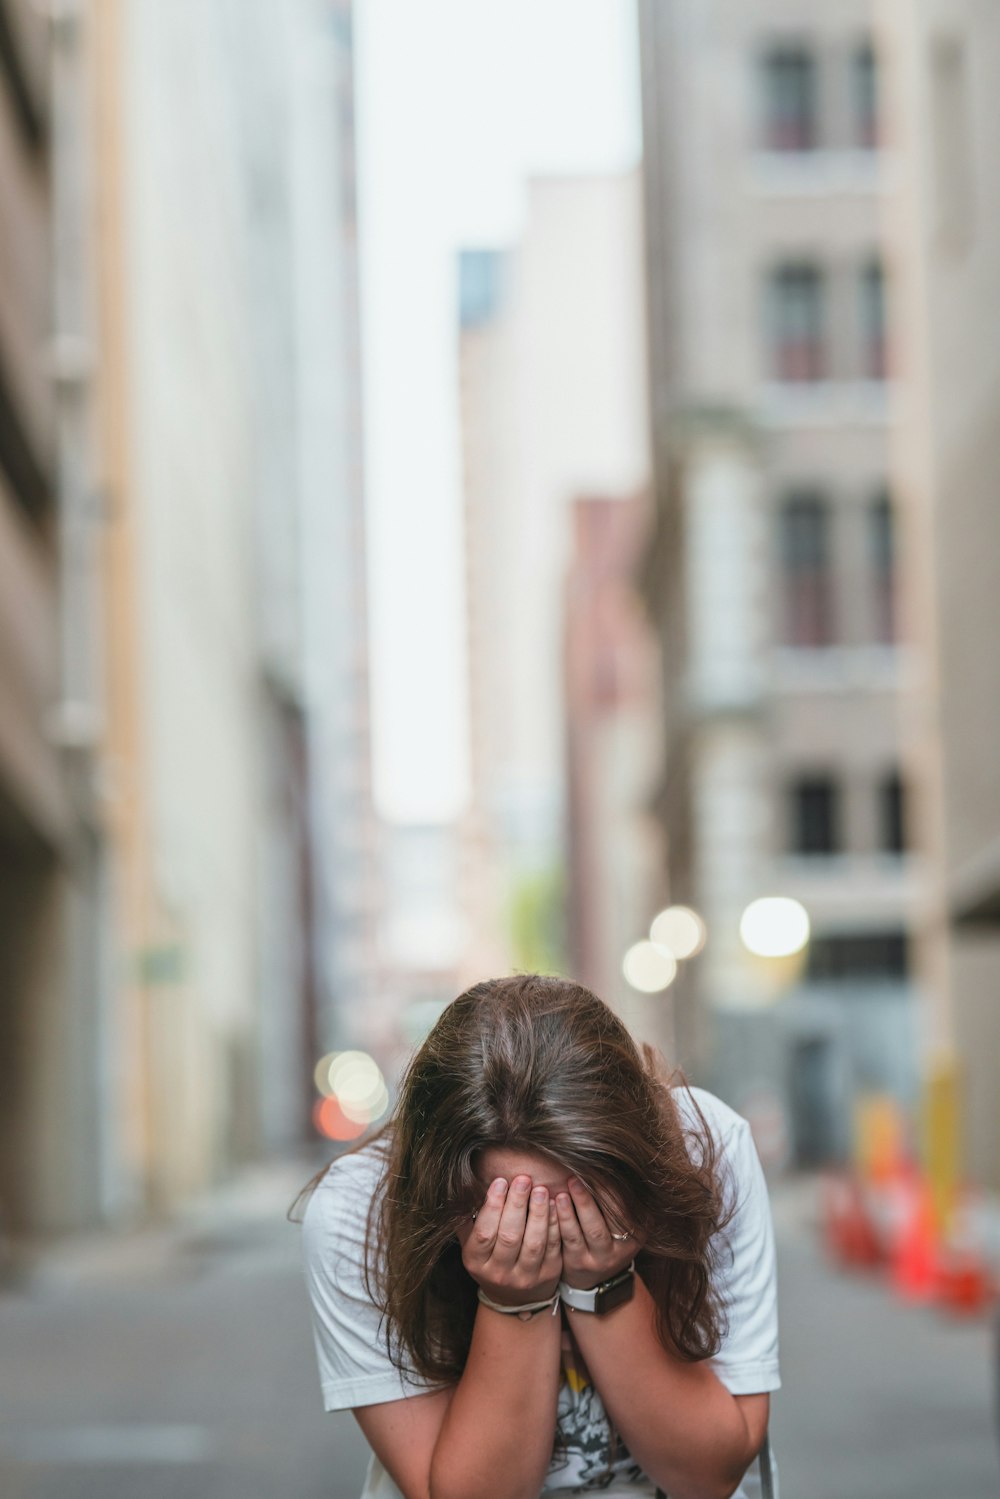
x=965 y=1282
x=849 y=1235
x=915 y=1261
x=861 y=1241
x=892 y=1204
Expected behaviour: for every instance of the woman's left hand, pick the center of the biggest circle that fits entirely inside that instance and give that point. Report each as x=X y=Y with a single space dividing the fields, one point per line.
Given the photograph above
x=590 y=1254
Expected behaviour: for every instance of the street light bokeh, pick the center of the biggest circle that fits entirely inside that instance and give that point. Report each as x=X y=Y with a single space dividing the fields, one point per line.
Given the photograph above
x=680 y=930
x=355 y=1094
x=775 y=926
x=649 y=967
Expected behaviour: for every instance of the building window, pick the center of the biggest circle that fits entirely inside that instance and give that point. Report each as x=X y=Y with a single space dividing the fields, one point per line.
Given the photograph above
x=796 y=323
x=882 y=556
x=865 y=98
x=815 y=816
x=892 y=830
x=804 y=525
x=790 y=99
x=859 y=957
x=872 y=319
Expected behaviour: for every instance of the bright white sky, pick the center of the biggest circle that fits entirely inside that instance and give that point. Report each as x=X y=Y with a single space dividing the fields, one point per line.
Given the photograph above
x=458 y=101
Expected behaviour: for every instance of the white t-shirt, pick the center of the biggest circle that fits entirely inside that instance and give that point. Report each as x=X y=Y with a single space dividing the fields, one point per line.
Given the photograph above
x=355 y=1369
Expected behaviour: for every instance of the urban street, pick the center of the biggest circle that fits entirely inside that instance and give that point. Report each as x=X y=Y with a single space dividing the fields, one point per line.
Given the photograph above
x=179 y=1363
x=499 y=566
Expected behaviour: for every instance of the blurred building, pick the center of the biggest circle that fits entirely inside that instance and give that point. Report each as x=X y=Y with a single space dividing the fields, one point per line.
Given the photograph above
x=296 y=96
x=773 y=570
x=189 y=888
x=552 y=407
x=943 y=61
x=423 y=937
x=255 y=951
x=612 y=745
x=56 y=1152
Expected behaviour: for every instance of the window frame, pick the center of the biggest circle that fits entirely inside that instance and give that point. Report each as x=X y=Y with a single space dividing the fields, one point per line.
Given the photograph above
x=882 y=545
x=873 y=320
x=866 y=96
x=800 y=843
x=802 y=124
x=807 y=591
x=797 y=356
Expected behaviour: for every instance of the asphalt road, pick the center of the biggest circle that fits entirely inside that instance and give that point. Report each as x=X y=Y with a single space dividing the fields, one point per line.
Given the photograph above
x=880 y=1400
x=179 y=1365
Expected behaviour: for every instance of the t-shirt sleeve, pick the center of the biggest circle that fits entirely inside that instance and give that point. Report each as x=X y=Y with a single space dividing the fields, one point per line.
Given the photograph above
x=747 y=1362
x=354 y=1364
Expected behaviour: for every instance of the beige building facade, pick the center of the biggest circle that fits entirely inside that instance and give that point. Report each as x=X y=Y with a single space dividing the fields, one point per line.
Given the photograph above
x=773 y=573
x=943 y=118
x=250 y=871
x=187 y=888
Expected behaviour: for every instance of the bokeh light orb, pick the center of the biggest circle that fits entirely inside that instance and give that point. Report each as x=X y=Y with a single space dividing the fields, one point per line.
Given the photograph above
x=680 y=930
x=367 y=1111
x=354 y=1094
x=649 y=967
x=775 y=926
x=321 y=1074
x=355 y=1077
x=330 y=1120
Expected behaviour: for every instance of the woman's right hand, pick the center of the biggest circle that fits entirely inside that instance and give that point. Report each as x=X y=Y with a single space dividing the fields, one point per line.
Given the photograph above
x=513 y=1248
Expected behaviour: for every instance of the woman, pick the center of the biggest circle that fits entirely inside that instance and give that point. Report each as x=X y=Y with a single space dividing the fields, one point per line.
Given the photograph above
x=550 y=1270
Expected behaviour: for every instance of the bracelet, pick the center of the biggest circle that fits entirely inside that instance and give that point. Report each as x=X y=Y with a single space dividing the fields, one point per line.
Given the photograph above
x=524 y=1312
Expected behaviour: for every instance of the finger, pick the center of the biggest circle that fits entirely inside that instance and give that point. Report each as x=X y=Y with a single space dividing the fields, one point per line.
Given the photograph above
x=510 y=1230
x=483 y=1231
x=590 y=1217
x=553 y=1243
x=536 y=1229
x=570 y=1231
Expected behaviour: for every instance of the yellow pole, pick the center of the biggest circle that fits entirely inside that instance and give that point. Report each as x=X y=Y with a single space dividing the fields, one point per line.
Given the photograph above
x=942 y=1137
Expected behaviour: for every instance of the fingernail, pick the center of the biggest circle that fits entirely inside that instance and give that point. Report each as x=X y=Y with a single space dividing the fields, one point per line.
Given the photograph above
x=499 y=1187
x=522 y=1183
x=539 y=1194
x=563 y=1199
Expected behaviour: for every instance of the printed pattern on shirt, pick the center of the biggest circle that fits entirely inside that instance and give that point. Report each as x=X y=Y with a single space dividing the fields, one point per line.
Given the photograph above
x=587 y=1455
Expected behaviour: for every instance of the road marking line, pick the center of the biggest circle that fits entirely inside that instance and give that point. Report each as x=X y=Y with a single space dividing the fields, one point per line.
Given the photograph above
x=110 y=1444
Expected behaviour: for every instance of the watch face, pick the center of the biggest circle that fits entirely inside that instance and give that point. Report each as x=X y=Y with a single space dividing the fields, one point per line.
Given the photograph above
x=608 y=1297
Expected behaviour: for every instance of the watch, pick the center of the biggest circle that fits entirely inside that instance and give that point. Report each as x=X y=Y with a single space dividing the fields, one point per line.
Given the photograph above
x=603 y=1298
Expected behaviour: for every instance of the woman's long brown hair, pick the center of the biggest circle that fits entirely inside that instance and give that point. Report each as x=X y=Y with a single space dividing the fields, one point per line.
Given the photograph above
x=538 y=1065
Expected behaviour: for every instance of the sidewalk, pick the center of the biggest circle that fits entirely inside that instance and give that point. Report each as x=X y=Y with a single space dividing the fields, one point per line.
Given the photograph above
x=249 y=1208
x=174 y=1361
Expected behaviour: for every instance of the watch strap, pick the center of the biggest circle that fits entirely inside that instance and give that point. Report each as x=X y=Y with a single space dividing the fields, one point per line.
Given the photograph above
x=589 y=1301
